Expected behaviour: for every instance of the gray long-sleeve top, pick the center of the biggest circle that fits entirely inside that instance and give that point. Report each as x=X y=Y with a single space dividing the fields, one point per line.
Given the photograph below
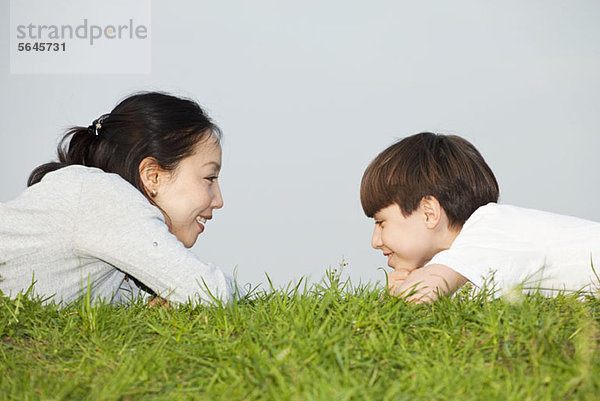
x=81 y=227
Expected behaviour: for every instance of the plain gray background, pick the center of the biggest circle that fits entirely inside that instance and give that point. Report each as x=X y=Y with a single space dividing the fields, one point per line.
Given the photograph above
x=307 y=93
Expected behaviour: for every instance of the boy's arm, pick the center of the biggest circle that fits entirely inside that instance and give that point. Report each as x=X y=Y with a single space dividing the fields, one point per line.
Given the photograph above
x=427 y=283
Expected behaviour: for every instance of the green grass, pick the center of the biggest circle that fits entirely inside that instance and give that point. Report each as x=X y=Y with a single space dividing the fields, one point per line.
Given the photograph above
x=329 y=341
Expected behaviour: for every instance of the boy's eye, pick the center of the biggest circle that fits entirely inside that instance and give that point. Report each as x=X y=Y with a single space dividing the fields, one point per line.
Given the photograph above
x=378 y=222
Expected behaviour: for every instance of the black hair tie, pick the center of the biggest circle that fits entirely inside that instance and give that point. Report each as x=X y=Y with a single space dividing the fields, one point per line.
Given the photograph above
x=95 y=128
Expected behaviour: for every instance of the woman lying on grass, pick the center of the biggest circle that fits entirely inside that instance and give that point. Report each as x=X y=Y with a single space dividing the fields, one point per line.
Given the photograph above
x=119 y=210
x=433 y=198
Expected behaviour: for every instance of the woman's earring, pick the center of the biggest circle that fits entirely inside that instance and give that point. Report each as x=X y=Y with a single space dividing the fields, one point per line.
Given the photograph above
x=153 y=193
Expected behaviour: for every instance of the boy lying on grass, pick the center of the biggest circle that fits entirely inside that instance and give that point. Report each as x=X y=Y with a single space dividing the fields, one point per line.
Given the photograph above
x=433 y=198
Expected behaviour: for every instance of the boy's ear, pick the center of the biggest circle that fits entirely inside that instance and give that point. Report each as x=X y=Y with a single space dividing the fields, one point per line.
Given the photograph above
x=432 y=211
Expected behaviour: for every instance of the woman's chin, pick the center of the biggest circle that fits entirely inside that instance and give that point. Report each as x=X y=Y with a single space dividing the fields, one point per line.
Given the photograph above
x=189 y=241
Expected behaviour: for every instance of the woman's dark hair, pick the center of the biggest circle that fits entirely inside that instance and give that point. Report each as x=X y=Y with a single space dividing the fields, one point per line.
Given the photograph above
x=446 y=167
x=149 y=124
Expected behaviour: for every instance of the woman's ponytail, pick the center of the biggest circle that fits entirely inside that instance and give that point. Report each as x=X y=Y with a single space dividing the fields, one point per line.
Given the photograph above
x=75 y=150
x=40 y=171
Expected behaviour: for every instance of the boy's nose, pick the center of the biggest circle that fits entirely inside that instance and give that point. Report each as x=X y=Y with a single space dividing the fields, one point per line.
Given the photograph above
x=376 y=239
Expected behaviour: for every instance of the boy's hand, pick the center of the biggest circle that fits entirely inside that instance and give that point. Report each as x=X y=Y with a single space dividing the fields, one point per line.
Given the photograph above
x=396 y=279
x=425 y=284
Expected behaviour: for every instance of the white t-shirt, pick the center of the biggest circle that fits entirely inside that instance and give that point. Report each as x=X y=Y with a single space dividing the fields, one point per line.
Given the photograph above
x=518 y=246
x=81 y=227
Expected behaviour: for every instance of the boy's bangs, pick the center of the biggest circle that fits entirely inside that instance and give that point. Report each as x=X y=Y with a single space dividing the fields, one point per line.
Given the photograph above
x=446 y=167
x=375 y=191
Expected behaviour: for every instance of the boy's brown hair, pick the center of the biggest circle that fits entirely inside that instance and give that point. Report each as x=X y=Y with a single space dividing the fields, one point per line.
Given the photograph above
x=446 y=167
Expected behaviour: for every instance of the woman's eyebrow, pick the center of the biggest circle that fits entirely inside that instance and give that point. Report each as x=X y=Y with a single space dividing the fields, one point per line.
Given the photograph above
x=217 y=165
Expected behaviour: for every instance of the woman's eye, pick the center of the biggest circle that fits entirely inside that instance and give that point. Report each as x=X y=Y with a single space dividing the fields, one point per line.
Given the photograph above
x=212 y=179
x=378 y=222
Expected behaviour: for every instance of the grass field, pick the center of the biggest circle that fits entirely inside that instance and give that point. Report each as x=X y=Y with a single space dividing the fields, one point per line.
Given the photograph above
x=329 y=341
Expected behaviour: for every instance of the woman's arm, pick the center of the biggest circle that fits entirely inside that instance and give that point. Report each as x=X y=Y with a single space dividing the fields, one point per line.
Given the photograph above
x=425 y=284
x=118 y=225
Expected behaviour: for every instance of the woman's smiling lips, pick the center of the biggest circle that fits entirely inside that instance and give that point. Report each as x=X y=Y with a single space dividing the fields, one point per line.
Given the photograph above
x=201 y=220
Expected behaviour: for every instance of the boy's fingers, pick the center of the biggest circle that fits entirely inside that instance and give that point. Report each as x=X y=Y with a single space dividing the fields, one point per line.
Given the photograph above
x=394 y=290
x=395 y=280
x=400 y=274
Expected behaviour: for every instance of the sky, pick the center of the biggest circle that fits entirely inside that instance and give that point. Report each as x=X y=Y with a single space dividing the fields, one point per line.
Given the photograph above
x=308 y=93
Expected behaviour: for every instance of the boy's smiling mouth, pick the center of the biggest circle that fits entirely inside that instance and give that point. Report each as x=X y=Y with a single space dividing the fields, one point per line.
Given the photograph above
x=389 y=256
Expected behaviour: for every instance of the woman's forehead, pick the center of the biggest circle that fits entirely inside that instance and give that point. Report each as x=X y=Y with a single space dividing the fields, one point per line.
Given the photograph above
x=207 y=154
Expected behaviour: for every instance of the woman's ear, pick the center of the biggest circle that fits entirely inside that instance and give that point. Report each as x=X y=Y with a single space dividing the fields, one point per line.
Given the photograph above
x=150 y=174
x=432 y=211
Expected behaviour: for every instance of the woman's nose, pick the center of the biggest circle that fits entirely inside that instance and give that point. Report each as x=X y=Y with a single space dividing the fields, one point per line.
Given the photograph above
x=217 y=202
